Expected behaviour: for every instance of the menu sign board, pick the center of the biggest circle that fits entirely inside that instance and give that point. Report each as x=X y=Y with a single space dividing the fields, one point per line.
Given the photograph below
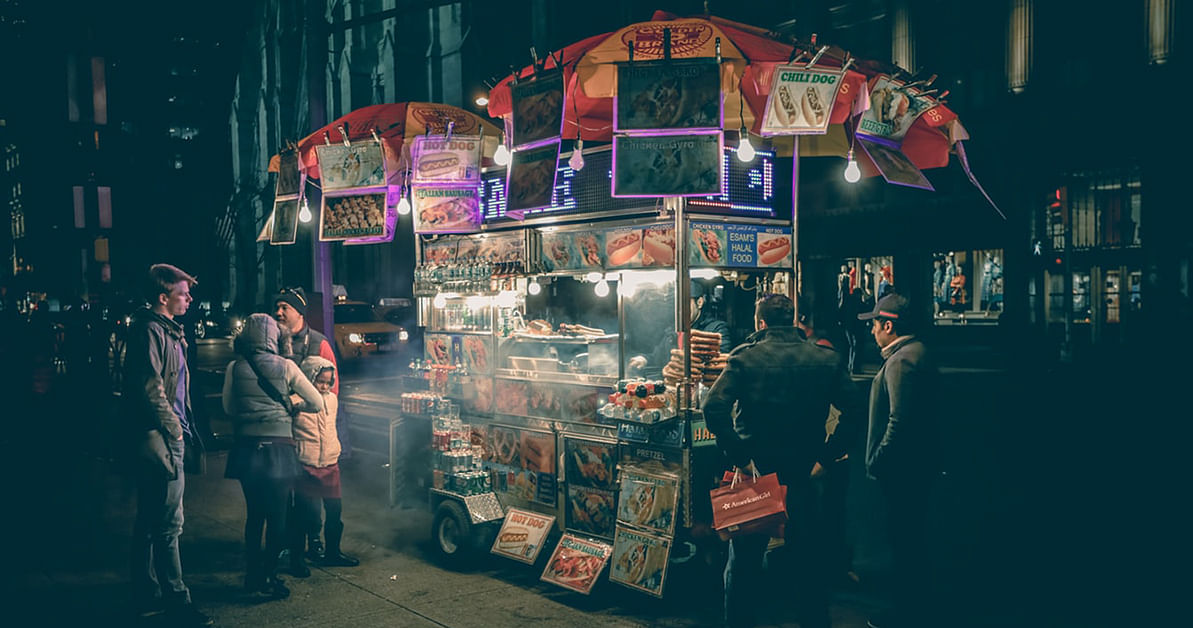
x=739 y=246
x=285 y=222
x=801 y=101
x=893 y=109
x=439 y=209
x=639 y=247
x=537 y=109
x=522 y=535
x=667 y=165
x=647 y=500
x=640 y=560
x=361 y=165
x=352 y=216
x=521 y=459
x=590 y=510
x=289 y=178
x=668 y=95
x=576 y=563
x=895 y=166
x=575 y=250
x=438 y=159
x=531 y=178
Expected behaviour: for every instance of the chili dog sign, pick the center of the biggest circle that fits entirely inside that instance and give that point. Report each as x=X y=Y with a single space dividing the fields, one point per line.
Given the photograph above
x=801 y=101
x=521 y=536
x=721 y=245
x=447 y=160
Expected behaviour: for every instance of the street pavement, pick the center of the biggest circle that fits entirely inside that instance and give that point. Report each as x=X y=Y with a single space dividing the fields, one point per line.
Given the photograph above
x=68 y=522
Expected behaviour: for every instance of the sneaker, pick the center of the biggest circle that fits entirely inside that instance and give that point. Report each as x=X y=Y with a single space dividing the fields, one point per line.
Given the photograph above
x=188 y=615
x=340 y=559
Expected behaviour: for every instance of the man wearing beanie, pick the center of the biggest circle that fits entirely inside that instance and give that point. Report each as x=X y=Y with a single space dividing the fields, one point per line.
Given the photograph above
x=291 y=314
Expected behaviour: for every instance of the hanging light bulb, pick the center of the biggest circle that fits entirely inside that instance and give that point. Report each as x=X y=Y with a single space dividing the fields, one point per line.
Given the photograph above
x=601 y=289
x=533 y=287
x=852 y=172
x=745 y=150
x=404 y=205
x=576 y=162
x=439 y=301
x=502 y=156
x=305 y=213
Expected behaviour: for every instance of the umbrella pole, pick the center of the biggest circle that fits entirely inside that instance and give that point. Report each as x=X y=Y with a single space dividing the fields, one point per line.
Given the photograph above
x=796 y=278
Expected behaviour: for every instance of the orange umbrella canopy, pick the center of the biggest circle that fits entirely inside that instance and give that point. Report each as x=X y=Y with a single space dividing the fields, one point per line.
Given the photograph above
x=749 y=56
x=395 y=123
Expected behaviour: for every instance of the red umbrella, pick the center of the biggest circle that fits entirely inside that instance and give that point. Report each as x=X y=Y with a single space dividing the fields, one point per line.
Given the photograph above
x=394 y=123
x=750 y=56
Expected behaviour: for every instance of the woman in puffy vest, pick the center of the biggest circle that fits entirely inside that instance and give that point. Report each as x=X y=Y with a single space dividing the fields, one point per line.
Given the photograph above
x=257 y=389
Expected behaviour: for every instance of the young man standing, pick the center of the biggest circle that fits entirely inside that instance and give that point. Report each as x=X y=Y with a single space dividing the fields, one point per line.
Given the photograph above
x=901 y=452
x=767 y=411
x=156 y=401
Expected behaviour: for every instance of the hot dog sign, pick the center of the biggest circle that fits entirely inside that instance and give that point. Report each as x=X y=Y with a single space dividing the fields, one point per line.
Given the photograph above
x=447 y=160
x=801 y=101
x=739 y=246
x=522 y=535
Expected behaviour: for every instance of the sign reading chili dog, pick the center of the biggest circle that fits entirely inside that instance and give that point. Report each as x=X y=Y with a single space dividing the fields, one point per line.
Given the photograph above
x=439 y=209
x=522 y=535
x=441 y=160
x=800 y=101
x=740 y=246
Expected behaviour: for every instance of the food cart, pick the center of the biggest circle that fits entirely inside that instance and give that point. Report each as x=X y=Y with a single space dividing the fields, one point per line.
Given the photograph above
x=556 y=379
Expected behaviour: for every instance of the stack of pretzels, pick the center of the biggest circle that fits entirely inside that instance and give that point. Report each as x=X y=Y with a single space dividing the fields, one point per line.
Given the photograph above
x=707 y=359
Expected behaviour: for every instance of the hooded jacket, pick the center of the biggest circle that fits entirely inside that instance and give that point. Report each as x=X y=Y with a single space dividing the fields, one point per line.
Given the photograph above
x=315 y=432
x=253 y=411
x=770 y=403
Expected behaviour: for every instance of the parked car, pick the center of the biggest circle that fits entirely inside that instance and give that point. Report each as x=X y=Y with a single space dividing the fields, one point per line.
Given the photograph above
x=360 y=331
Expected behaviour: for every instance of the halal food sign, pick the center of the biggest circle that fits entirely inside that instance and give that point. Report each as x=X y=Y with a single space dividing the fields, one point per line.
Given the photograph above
x=447 y=160
x=801 y=101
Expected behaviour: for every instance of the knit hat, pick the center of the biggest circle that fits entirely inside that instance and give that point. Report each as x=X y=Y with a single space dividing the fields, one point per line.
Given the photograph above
x=295 y=298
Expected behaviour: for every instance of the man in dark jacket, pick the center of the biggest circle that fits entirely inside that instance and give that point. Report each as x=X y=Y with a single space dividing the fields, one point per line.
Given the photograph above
x=157 y=404
x=901 y=451
x=767 y=411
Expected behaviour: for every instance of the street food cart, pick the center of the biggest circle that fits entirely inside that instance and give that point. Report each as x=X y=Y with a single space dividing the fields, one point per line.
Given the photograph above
x=552 y=377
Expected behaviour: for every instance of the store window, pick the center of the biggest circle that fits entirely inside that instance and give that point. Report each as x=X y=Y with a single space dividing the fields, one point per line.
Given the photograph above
x=967 y=287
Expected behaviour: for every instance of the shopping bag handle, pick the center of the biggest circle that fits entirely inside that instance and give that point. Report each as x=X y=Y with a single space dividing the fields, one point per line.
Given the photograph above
x=737 y=472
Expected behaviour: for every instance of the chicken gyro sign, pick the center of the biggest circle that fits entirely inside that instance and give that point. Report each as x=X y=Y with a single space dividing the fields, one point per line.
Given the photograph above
x=801 y=101
x=521 y=536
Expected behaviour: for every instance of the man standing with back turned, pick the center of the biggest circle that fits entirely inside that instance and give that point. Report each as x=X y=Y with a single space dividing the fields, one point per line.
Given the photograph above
x=767 y=409
x=157 y=405
x=901 y=453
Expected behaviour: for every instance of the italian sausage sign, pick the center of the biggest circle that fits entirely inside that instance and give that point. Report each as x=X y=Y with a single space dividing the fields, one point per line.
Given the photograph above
x=801 y=101
x=715 y=244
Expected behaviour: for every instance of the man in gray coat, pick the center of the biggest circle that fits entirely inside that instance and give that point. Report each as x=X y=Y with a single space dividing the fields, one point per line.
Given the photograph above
x=157 y=406
x=901 y=451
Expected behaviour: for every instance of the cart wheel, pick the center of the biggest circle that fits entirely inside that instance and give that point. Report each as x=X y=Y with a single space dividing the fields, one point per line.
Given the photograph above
x=452 y=531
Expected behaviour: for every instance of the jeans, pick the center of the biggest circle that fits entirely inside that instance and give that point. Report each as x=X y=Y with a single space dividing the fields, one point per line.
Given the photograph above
x=907 y=505
x=156 y=564
x=754 y=577
x=266 y=501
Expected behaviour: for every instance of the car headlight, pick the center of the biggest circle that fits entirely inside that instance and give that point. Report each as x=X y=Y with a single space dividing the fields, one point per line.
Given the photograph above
x=403 y=336
x=355 y=338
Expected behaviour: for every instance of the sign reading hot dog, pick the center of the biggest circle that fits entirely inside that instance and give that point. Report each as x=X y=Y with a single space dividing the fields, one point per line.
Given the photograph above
x=801 y=101
x=441 y=160
x=740 y=246
x=521 y=536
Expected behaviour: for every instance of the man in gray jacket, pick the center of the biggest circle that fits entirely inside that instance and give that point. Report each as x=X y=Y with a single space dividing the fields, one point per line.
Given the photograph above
x=157 y=405
x=901 y=451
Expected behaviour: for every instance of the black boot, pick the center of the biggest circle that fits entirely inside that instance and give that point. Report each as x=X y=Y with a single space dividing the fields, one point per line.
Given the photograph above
x=298 y=565
x=315 y=551
x=334 y=531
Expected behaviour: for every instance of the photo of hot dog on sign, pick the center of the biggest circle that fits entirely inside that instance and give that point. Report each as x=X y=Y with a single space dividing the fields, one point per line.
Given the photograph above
x=774 y=249
x=440 y=160
x=537 y=109
x=531 y=180
x=445 y=209
x=522 y=535
x=658 y=246
x=893 y=109
x=800 y=101
x=623 y=247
